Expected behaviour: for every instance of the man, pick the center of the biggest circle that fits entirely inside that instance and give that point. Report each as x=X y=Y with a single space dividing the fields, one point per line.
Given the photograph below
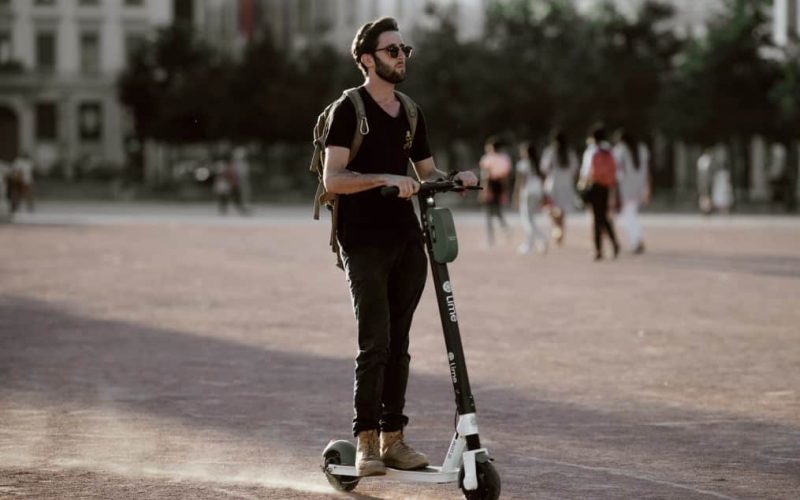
x=381 y=242
x=599 y=171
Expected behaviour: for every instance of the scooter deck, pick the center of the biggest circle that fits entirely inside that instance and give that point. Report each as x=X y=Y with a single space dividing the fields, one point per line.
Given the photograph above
x=426 y=475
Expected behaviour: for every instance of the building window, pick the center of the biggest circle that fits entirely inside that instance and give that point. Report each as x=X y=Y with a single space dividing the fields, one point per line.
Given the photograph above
x=46 y=50
x=90 y=52
x=46 y=121
x=90 y=121
x=5 y=46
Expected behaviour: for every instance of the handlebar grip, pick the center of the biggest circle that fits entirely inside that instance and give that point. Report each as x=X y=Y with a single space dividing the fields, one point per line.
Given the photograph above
x=390 y=191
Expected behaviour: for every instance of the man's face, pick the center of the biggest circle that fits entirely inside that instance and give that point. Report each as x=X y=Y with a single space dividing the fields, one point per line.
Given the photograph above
x=391 y=69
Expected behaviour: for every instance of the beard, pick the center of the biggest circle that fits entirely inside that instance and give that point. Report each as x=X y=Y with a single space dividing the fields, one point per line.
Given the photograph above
x=387 y=73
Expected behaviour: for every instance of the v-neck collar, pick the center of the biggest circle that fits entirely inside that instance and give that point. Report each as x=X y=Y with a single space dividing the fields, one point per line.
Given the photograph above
x=400 y=109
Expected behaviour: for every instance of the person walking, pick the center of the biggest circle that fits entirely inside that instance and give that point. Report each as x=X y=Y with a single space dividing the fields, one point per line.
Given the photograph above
x=598 y=181
x=530 y=195
x=380 y=241
x=721 y=182
x=21 y=182
x=495 y=167
x=228 y=187
x=705 y=171
x=241 y=167
x=559 y=164
x=633 y=173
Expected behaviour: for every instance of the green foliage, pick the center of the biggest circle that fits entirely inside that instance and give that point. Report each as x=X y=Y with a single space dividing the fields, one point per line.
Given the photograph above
x=721 y=88
x=543 y=64
x=785 y=96
x=540 y=64
x=174 y=87
x=180 y=90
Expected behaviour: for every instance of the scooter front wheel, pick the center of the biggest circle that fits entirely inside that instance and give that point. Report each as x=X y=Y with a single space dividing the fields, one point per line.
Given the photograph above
x=340 y=453
x=488 y=483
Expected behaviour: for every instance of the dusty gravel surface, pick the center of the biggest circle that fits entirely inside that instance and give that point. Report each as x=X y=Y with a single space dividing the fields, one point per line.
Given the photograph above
x=160 y=352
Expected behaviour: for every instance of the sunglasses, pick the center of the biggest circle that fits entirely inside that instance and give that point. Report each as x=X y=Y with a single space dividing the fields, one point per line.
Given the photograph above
x=394 y=50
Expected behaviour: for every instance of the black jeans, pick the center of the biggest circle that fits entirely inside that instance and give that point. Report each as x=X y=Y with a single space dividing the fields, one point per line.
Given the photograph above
x=598 y=197
x=386 y=283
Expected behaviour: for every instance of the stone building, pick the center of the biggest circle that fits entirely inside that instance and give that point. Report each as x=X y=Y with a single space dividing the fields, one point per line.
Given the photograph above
x=59 y=60
x=294 y=24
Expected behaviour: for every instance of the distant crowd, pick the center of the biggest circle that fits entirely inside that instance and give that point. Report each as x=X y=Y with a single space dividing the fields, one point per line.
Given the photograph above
x=613 y=175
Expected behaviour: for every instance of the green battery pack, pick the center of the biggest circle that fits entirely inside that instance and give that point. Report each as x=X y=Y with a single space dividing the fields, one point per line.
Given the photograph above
x=443 y=235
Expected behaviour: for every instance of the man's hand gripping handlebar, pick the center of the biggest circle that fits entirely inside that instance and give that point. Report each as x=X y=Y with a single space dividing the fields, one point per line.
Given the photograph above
x=432 y=187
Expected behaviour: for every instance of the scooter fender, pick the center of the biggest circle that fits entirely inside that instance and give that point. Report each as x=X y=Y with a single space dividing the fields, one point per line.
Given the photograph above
x=470 y=474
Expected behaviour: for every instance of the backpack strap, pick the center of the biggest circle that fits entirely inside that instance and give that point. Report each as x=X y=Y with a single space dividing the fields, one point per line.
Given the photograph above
x=412 y=114
x=362 y=126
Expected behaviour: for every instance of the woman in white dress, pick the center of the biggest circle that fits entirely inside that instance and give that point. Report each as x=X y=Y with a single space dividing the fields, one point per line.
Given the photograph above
x=721 y=182
x=530 y=193
x=559 y=165
x=633 y=178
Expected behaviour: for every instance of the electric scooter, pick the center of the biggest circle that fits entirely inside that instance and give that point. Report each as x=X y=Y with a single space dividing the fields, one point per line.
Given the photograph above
x=466 y=461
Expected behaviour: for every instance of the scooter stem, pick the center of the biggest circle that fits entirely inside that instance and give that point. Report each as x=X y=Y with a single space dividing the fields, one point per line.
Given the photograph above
x=465 y=403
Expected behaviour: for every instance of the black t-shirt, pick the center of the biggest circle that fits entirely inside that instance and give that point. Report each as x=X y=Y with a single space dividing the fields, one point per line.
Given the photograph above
x=367 y=217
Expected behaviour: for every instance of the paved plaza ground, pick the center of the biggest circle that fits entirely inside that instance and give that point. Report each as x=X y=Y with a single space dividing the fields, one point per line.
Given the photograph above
x=161 y=351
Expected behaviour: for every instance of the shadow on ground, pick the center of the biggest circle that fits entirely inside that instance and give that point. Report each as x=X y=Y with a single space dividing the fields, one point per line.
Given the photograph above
x=288 y=404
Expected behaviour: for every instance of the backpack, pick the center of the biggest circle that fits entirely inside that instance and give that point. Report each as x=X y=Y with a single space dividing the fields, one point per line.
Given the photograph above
x=321 y=129
x=604 y=168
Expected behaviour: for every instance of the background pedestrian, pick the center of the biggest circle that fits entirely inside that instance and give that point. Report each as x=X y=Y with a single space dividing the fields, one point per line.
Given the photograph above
x=559 y=164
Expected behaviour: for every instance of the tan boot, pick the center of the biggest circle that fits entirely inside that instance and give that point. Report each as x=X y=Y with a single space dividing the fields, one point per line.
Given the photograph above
x=396 y=453
x=368 y=454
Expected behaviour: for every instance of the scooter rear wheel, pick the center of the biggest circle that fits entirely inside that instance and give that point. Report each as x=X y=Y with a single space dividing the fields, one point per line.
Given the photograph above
x=488 y=483
x=340 y=453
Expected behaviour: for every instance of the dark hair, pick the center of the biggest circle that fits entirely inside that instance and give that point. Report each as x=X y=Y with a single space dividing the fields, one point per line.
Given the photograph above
x=366 y=40
x=495 y=142
x=598 y=132
x=533 y=158
x=559 y=139
x=629 y=140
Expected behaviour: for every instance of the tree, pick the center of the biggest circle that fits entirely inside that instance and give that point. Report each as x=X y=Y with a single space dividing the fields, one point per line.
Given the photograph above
x=174 y=88
x=540 y=64
x=721 y=88
x=785 y=96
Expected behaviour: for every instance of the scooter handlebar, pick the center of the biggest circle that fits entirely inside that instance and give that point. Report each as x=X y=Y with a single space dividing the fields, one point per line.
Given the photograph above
x=432 y=187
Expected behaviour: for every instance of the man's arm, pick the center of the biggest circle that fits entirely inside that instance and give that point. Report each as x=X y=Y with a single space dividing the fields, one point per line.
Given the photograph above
x=427 y=171
x=339 y=180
